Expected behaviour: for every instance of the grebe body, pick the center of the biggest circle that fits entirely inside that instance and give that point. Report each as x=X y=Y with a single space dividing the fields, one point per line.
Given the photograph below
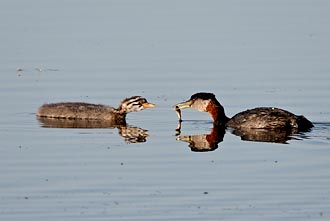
x=268 y=118
x=87 y=111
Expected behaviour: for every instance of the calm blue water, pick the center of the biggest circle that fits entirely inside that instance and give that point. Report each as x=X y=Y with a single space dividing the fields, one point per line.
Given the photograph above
x=249 y=53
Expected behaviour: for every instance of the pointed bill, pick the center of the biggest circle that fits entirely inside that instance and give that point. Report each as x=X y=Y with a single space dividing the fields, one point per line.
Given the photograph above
x=148 y=105
x=182 y=105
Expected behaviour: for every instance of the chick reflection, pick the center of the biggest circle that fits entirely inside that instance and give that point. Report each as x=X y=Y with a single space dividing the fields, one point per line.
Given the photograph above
x=131 y=134
x=202 y=142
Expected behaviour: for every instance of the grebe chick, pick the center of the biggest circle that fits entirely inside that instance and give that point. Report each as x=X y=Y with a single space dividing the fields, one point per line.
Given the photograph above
x=86 y=111
x=257 y=118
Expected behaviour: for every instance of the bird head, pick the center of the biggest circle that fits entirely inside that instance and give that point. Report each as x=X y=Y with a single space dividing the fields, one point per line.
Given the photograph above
x=199 y=101
x=134 y=104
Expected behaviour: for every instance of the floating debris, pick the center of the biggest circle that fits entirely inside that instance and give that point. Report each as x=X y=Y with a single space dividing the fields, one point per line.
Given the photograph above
x=20 y=70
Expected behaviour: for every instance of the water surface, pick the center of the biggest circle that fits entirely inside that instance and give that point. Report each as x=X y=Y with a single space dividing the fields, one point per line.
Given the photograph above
x=249 y=53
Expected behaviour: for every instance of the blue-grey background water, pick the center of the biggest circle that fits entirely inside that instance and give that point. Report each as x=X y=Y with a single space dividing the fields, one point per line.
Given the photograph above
x=249 y=53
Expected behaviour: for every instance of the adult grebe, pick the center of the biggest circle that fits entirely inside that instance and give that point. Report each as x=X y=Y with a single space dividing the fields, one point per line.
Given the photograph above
x=257 y=118
x=86 y=111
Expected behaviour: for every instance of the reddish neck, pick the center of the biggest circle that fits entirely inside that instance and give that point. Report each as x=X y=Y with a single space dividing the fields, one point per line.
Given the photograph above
x=218 y=114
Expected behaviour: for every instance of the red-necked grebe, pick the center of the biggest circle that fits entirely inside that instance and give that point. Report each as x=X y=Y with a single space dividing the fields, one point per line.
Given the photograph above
x=257 y=118
x=86 y=111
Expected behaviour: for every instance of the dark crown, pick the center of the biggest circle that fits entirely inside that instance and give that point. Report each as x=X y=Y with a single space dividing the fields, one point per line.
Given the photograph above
x=203 y=96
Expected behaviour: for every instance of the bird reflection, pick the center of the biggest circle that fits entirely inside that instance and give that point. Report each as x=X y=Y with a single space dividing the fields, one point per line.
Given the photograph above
x=131 y=134
x=265 y=135
x=202 y=142
x=209 y=142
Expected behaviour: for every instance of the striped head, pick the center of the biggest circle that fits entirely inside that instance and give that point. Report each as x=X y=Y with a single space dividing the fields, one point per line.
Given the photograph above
x=134 y=104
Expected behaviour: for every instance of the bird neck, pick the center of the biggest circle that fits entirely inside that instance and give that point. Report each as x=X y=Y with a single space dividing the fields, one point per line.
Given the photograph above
x=119 y=111
x=217 y=112
x=216 y=135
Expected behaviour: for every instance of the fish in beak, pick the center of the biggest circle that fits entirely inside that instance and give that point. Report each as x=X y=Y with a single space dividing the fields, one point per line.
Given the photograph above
x=183 y=105
x=180 y=106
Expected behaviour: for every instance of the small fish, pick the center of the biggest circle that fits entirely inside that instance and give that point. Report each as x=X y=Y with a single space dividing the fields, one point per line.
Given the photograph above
x=178 y=112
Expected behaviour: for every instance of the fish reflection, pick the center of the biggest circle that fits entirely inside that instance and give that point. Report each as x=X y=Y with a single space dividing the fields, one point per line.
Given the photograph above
x=202 y=142
x=131 y=134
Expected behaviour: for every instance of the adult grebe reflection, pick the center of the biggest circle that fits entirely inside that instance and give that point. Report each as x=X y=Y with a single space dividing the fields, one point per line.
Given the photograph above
x=132 y=134
x=202 y=142
x=264 y=135
x=208 y=142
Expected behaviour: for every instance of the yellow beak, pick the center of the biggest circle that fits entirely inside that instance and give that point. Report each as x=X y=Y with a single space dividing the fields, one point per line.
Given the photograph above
x=184 y=138
x=182 y=105
x=148 y=105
